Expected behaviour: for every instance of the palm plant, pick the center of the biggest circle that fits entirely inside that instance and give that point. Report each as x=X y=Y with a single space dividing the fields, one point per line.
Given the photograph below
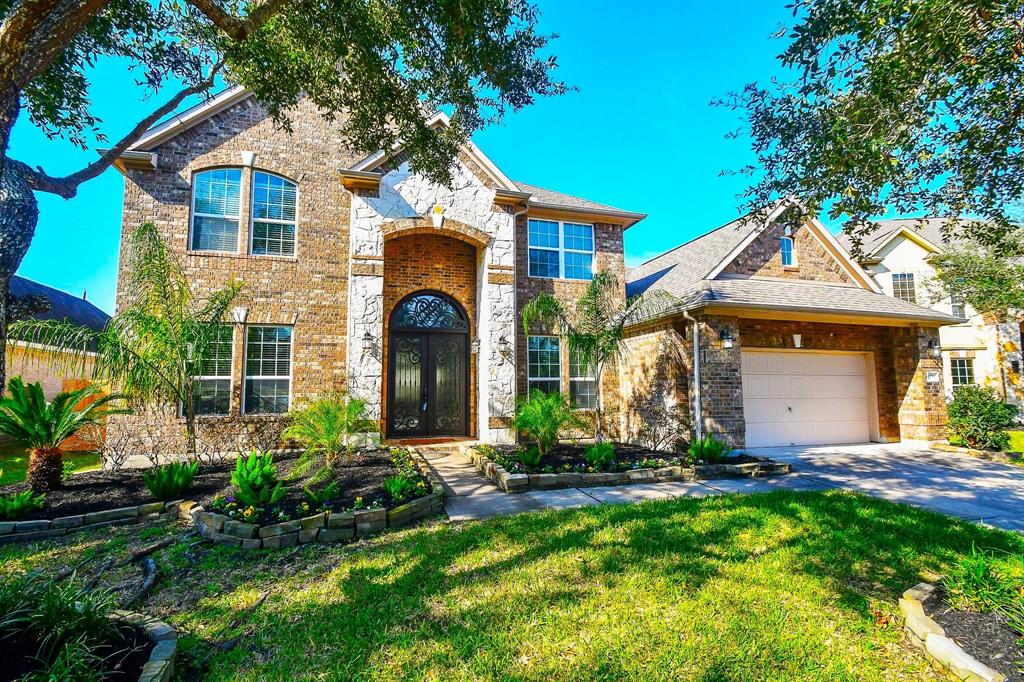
x=594 y=328
x=154 y=348
x=326 y=428
x=26 y=416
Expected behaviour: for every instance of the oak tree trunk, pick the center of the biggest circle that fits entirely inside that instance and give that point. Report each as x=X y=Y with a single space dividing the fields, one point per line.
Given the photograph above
x=45 y=466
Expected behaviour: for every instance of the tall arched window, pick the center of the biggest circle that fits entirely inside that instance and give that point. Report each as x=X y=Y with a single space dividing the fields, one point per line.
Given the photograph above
x=273 y=215
x=788 y=249
x=215 y=210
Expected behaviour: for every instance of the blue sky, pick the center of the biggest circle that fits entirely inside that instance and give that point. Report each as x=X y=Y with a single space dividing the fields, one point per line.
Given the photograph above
x=639 y=135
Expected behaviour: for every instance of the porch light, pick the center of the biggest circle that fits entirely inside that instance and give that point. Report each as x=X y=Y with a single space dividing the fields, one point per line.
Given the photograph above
x=504 y=347
x=474 y=345
x=796 y=340
x=934 y=347
x=727 y=339
x=239 y=314
x=368 y=342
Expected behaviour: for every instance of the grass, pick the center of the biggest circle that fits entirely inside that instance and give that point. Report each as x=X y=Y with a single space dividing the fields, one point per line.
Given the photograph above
x=773 y=586
x=14 y=462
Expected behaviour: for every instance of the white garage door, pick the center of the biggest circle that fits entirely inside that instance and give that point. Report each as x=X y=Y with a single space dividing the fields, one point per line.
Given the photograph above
x=805 y=398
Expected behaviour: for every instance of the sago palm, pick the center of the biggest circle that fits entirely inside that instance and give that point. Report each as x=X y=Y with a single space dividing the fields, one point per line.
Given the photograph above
x=594 y=328
x=41 y=425
x=154 y=348
x=325 y=428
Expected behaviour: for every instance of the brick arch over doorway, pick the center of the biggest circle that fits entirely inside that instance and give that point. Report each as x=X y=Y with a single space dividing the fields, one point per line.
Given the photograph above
x=417 y=261
x=450 y=228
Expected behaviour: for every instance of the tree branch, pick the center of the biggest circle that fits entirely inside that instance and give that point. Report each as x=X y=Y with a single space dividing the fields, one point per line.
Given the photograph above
x=67 y=186
x=236 y=28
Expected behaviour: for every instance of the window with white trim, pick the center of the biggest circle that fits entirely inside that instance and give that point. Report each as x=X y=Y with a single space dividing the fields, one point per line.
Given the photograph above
x=957 y=306
x=215 y=210
x=544 y=364
x=268 y=369
x=582 y=383
x=961 y=371
x=273 y=215
x=211 y=394
x=903 y=287
x=787 y=248
x=560 y=249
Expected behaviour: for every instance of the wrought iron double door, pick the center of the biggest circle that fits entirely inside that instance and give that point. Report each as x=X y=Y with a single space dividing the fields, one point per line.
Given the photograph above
x=428 y=388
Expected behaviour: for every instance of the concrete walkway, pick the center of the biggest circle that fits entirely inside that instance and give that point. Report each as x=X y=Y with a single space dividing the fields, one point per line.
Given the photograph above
x=952 y=484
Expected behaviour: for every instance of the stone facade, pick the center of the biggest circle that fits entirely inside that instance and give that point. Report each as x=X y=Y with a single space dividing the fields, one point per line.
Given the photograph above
x=762 y=258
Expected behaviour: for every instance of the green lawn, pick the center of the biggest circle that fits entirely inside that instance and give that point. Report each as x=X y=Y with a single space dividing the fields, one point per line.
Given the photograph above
x=777 y=586
x=14 y=461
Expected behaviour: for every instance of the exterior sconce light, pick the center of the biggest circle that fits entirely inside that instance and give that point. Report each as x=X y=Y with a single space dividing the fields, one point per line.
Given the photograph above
x=368 y=342
x=934 y=347
x=797 y=340
x=474 y=345
x=437 y=215
x=504 y=348
x=239 y=314
x=727 y=339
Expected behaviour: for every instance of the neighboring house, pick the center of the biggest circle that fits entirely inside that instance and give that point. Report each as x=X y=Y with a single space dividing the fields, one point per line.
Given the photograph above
x=360 y=274
x=779 y=338
x=979 y=350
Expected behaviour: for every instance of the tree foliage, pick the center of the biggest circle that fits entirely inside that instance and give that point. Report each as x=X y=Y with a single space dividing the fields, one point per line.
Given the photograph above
x=905 y=104
x=989 y=279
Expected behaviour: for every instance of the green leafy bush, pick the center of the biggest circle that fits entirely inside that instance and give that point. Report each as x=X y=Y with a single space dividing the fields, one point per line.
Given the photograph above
x=327 y=429
x=599 y=455
x=709 y=450
x=255 y=478
x=326 y=494
x=62 y=630
x=545 y=418
x=980 y=418
x=170 y=481
x=530 y=457
x=987 y=581
x=399 y=487
x=20 y=504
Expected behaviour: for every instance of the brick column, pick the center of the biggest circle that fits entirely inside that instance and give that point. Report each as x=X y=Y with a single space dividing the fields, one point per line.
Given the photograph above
x=721 y=381
x=919 y=387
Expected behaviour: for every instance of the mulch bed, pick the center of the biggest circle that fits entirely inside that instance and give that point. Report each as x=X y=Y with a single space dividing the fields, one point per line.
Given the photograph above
x=570 y=455
x=97 y=490
x=127 y=653
x=983 y=635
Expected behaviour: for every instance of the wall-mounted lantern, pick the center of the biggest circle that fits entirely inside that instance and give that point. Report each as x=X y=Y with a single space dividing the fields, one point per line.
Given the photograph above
x=727 y=338
x=934 y=348
x=474 y=345
x=504 y=348
x=797 y=341
x=369 y=343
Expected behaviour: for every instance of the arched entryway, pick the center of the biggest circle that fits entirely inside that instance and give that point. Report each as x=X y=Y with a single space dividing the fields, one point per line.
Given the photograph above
x=428 y=367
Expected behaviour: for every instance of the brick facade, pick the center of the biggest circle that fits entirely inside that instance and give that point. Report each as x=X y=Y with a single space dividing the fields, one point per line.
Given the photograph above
x=762 y=258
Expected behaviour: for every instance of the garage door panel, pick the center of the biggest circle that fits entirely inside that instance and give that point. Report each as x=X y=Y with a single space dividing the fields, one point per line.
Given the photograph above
x=805 y=398
x=836 y=387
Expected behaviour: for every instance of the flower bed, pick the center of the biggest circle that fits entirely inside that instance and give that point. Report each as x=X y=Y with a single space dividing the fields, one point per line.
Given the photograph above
x=565 y=468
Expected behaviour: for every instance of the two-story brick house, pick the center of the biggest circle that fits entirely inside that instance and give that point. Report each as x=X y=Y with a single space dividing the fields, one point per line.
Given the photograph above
x=361 y=275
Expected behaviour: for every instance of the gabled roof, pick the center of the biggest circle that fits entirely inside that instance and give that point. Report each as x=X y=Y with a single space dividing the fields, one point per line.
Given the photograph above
x=925 y=231
x=546 y=198
x=63 y=306
x=692 y=273
x=194 y=115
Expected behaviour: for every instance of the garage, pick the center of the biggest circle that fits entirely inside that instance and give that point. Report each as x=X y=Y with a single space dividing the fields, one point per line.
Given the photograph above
x=805 y=398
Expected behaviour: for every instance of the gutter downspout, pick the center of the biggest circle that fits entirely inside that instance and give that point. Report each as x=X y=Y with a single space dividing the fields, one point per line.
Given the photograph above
x=698 y=422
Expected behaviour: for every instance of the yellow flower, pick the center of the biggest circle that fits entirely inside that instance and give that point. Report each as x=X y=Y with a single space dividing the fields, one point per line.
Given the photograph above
x=249 y=512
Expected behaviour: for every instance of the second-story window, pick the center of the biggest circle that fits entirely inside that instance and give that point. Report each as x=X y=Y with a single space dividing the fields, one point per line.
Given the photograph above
x=273 y=215
x=215 y=210
x=788 y=250
x=903 y=286
x=958 y=308
x=560 y=249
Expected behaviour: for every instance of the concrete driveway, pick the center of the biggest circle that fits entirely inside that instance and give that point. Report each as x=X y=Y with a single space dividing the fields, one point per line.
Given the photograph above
x=953 y=484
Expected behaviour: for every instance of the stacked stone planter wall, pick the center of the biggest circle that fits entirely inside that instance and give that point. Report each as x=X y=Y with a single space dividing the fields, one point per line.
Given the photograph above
x=160 y=667
x=25 y=531
x=324 y=527
x=517 y=483
x=929 y=636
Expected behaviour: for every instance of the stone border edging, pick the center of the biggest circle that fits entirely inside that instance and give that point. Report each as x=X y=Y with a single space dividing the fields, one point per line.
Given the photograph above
x=26 y=531
x=990 y=455
x=325 y=527
x=517 y=483
x=160 y=666
x=929 y=636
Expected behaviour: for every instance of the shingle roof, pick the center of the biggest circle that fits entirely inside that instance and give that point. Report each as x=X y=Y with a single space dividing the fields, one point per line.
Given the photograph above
x=683 y=272
x=929 y=228
x=549 y=197
x=63 y=306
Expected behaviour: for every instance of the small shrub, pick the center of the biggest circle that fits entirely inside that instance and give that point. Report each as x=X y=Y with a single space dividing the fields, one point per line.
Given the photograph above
x=20 y=504
x=170 y=481
x=255 y=478
x=321 y=497
x=530 y=457
x=980 y=418
x=544 y=417
x=399 y=487
x=664 y=428
x=709 y=450
x=326 y=429
x=599 y=455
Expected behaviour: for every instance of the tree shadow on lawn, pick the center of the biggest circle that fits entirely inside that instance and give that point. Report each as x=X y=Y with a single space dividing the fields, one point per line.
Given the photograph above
x=461 y=596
